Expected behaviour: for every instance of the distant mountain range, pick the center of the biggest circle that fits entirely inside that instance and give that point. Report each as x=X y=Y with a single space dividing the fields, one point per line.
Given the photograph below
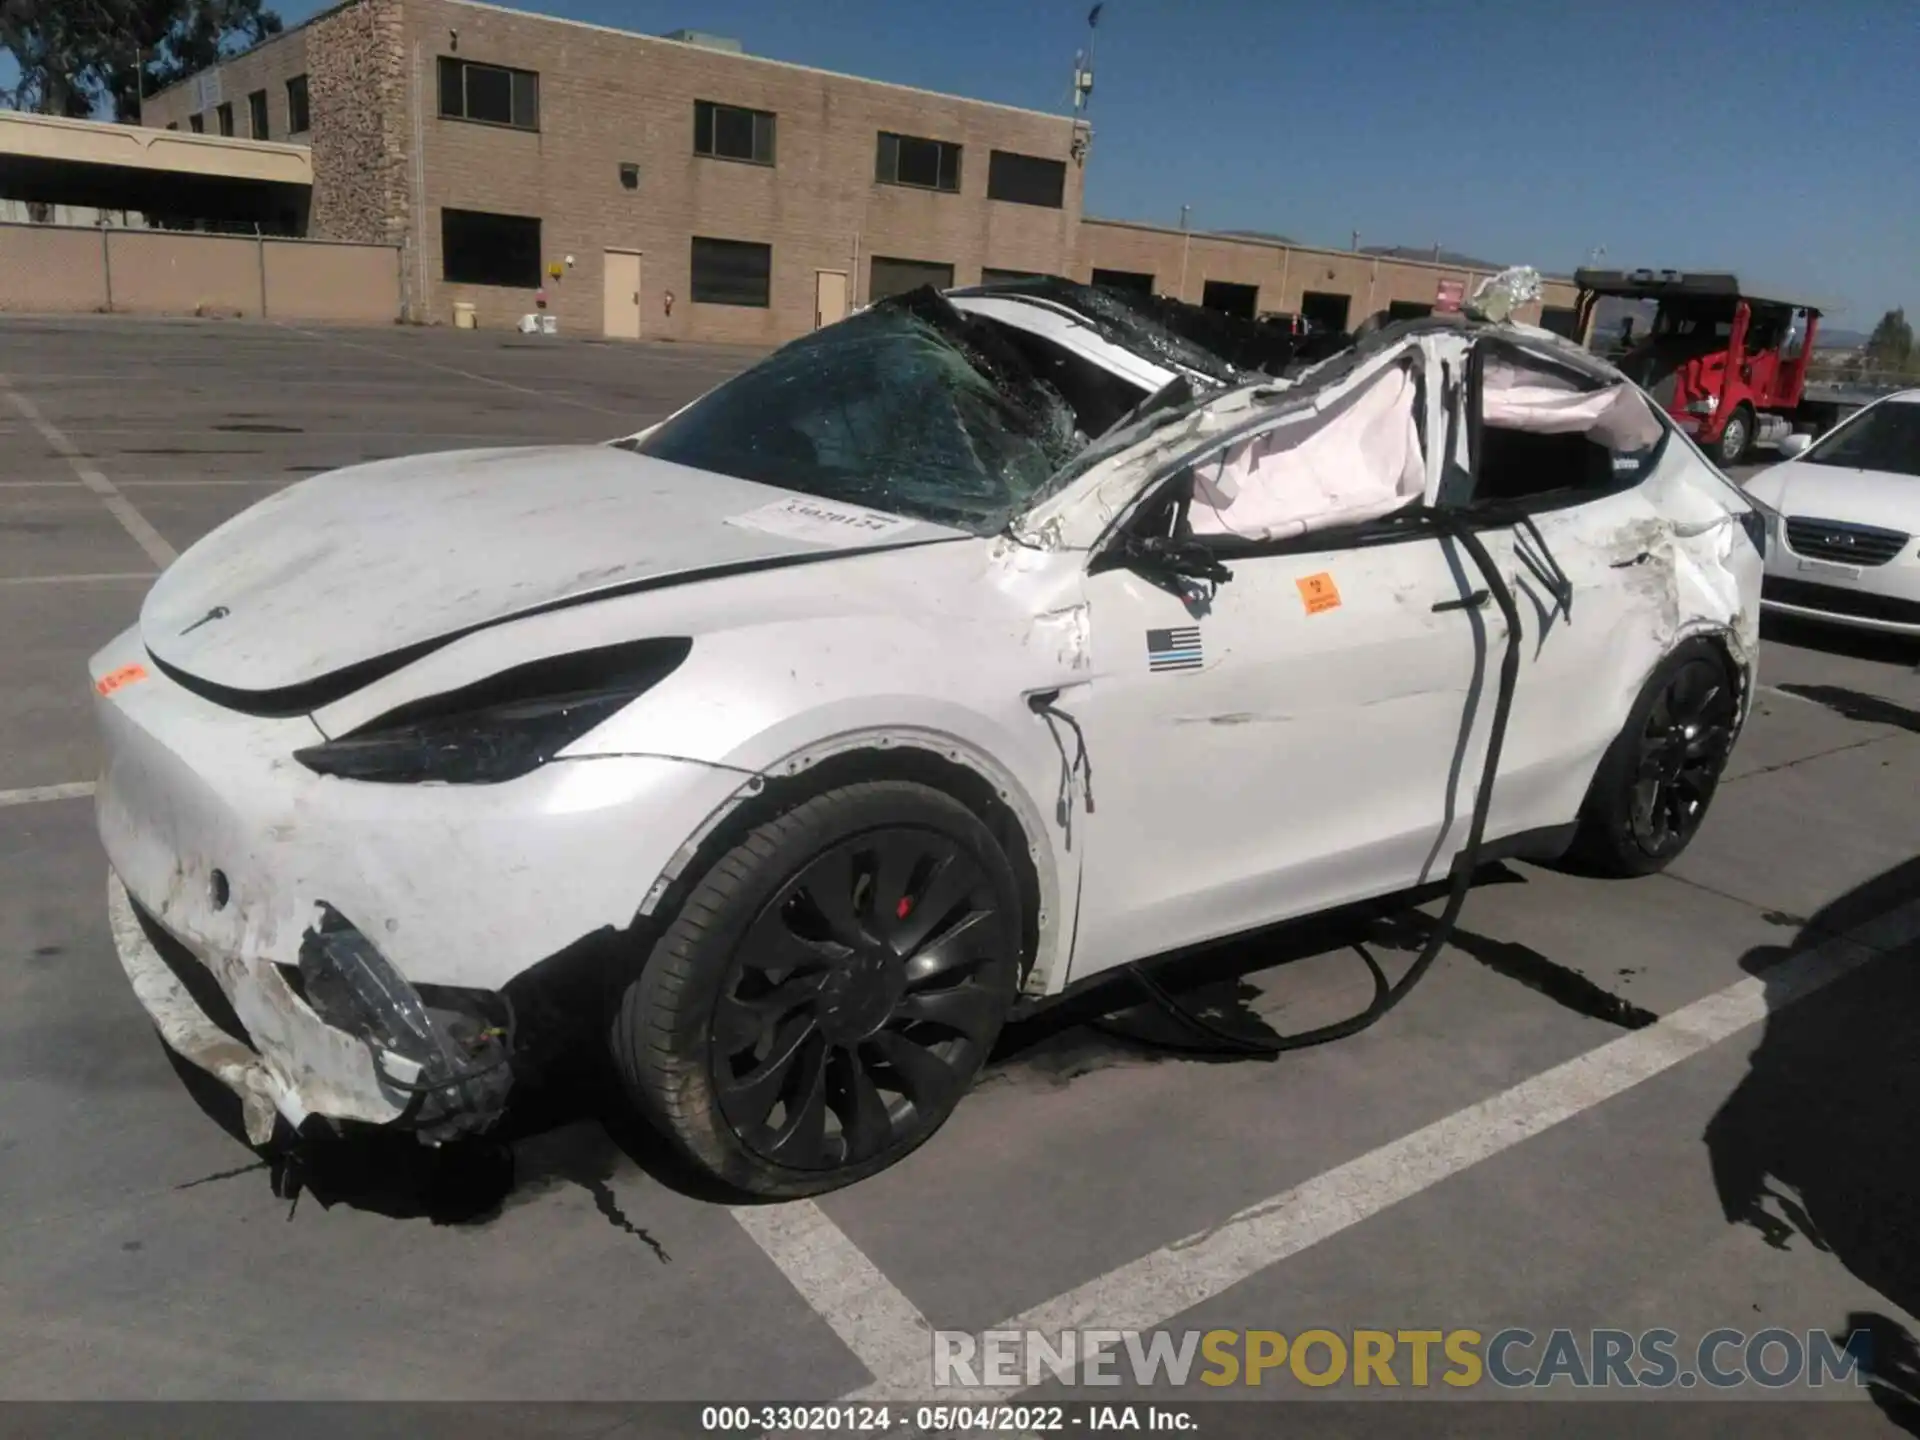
x=1430 y=255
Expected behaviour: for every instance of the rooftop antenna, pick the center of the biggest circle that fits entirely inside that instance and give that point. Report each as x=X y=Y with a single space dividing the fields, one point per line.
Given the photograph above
x=1083 y=63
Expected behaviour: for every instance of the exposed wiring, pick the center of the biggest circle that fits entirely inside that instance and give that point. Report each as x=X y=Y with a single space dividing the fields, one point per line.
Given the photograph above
x=462 y=1076
x=1080 y=763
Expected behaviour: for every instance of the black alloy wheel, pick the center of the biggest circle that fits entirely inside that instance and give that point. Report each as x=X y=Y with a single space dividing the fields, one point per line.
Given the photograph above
x=827 y=991
x=864 y=997
x=1683 y=748
x=1655 y=783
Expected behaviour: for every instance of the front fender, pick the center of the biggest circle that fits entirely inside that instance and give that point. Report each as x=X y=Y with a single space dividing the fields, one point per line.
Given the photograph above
x=1055 y=859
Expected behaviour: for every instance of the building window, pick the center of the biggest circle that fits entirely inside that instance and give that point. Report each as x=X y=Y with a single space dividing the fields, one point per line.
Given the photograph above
x=1133 y=280
x=991 y=276
x=297 y=118
x=896 y=277
x=489 y=94
x=727 y=132
x=1228 y=299
x=1560 y=319
x=481 y=249
x=257 y=121
x=225 y=116
x=197 y=123
x=732 y=272
x=1408 y=310
x=1325 y=309
x=924 y=164
x=1026 y=179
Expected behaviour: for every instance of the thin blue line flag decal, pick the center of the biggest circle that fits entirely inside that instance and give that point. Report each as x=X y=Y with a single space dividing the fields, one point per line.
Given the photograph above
x=1177 y=649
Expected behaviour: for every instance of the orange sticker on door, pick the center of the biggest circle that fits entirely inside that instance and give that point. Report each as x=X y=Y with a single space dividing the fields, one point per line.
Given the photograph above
x=119 y=679
x=1318 y=592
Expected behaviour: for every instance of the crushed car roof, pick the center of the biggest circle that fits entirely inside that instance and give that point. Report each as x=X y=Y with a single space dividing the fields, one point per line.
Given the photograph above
x=1173 y=332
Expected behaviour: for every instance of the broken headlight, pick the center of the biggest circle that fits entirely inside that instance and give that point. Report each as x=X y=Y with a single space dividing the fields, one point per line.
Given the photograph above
x=506 y=726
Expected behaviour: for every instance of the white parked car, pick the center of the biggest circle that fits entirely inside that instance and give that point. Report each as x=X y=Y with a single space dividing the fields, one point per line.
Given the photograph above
x=1848 y=536
x=950 y=656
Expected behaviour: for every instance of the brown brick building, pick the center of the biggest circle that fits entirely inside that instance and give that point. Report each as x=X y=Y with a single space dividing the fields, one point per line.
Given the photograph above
x=675 y=187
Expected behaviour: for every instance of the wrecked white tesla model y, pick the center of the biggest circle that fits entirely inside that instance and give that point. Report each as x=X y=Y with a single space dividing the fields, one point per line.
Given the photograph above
x=951 y=655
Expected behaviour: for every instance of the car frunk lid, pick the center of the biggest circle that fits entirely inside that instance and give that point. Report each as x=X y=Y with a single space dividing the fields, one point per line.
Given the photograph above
x=343 y=577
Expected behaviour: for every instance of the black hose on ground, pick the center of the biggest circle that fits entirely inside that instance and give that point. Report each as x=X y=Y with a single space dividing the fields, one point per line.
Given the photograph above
x=1385 y=995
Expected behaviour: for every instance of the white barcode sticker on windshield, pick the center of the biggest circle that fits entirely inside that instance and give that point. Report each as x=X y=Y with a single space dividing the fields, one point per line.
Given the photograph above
x=821 y=522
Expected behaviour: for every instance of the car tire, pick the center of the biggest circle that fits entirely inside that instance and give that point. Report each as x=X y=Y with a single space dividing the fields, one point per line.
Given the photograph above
x=827 y=991
x=1656 y=781
x=1737 y=438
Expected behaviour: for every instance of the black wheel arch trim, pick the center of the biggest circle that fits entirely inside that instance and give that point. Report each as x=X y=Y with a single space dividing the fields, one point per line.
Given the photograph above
x=768 y=794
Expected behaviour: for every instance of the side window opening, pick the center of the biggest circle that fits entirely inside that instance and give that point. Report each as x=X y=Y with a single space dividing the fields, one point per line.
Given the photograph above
x=1549 y=434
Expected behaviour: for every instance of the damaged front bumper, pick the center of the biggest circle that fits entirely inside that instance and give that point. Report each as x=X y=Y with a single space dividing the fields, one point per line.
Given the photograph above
x=342 y=1036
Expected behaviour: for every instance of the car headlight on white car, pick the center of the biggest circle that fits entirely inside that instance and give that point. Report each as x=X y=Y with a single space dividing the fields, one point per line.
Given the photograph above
x=503 y=727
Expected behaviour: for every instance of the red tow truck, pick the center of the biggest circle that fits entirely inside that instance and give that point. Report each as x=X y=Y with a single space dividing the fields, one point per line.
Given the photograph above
x=1730 y=366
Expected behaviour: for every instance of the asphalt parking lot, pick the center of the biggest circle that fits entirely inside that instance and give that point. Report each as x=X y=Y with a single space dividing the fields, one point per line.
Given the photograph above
x=1682 y=1102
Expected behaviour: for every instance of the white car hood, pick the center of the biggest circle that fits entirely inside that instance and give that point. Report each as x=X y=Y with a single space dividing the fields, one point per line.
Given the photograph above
x=1834 y=492
x=386 y=559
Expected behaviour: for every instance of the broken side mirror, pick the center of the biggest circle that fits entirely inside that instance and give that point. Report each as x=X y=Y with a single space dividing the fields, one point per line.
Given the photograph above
x=1171 y=557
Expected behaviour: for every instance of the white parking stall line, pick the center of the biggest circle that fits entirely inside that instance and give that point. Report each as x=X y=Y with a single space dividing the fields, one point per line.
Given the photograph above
x=198 y=481
x=95 y=578
x=1154 y=1289
x=880 y=1325
x=552 y=396
x=131 y=520
x=37 y=794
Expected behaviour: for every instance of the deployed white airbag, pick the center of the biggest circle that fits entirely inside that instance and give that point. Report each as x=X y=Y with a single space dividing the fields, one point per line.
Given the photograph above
x=1354 y=463
x=1546 y=404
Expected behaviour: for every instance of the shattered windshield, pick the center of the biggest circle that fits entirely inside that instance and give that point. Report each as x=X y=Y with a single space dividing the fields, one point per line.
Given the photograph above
x=908 y=407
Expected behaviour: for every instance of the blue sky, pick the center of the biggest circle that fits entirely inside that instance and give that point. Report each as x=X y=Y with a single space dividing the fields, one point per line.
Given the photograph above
x=1773 y=137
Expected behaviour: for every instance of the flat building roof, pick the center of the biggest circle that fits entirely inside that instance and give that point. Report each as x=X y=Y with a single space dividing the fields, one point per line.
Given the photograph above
x=52 y=140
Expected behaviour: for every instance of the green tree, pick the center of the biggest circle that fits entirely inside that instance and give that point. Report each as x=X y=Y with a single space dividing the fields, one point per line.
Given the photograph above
x=79 y=57
x=1890 y=347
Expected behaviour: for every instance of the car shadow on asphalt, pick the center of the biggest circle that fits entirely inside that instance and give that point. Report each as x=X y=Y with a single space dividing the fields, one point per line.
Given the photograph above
x=1239 y=984
x=1856 y=705
x=568 y=1126
x=559 y=1132
x=1816 y=1145
x=1845 y=640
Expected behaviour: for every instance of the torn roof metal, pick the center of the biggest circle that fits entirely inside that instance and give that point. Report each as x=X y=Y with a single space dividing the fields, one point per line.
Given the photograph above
x=1220 y=347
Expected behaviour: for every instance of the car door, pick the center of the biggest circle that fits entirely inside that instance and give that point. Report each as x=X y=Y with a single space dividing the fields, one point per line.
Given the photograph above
x=1555 y=482
x=1301 y=735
